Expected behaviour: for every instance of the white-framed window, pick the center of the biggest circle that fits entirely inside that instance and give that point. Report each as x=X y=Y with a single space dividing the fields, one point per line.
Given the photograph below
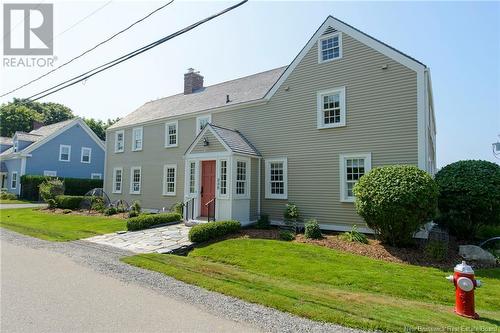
x=202 y=121
x=352 y=168
x=135 y=180
x=13 y=180
x=137 y=139
x=119 y=141
x=192 y=177
x=331 y=108
x=64 y=153
x=276 y=178
x=171 y=134
x=223 y=177
x=241 y=178
x=169 y=179
x=95 y=175
x=15 y=146
x=49 y=173
x=330 y=47
x=117 y=180
x=86 y=155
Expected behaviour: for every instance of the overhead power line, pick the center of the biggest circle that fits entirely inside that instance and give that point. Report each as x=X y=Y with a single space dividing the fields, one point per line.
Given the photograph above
x=89 y=50
x=97 y=70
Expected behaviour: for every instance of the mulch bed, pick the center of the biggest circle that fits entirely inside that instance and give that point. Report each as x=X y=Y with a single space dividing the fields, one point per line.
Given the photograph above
x=59 y=211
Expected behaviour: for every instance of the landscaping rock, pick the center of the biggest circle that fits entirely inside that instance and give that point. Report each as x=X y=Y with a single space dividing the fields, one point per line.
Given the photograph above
x=473 y=252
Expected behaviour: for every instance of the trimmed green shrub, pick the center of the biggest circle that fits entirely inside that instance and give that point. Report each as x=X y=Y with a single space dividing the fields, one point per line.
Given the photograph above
x=263 y=222
x=469 y=197
x=312 y=229
x=80 y=186
x=287 y=235
x=51 y=188
x=7 y=196
x=110 y=211
x=396 y=201
x=73 y=186
x=132 y=213
x=69 y=201
x=97 y=203
x=146 y=221
x=51 y=204
x=354 y=236
x=212 y=230
x=178 y=208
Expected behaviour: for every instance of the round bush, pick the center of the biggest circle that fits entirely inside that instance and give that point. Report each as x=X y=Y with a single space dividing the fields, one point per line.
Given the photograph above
x=469 y=197
x=312 y=229
x=395 y=201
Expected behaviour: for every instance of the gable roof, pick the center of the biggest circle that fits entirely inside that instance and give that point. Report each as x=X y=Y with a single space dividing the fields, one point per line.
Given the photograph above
x=242 y=90
x=232 y=140
x=23 y=136
x=49 y=129
x=5 y=141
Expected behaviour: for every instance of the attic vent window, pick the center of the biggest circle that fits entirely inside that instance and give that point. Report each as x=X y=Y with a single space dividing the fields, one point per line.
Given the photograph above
x=330 y=47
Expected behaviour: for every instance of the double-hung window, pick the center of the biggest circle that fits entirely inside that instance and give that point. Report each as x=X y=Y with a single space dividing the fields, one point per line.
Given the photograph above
x=330 y=47
x=64 y=153
x=13 y=180
x=119 y=141
x=241 y=178
x=331 y=108
x=352 y=168
x=201 y=122
x=223 y=177
x=171 y=134
x=192 y=177
x=135 y=180
x=276 y=178
x=169 y=176
x=86 y=154
x=137 y=139
x=117 y=180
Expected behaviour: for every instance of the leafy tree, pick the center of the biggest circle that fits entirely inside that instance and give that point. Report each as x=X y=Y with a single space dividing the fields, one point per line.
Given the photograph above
x=16 y=118
x=99 y=127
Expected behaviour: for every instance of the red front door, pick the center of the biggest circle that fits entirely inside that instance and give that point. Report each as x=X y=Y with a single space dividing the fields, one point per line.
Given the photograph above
x=207 y=186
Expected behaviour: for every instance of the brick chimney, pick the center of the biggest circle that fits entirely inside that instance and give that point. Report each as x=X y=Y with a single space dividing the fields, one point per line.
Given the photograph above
x=36 y=124
x=193 y=81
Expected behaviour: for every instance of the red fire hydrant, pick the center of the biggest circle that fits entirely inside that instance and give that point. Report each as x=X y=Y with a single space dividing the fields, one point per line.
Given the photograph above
x=465 y=283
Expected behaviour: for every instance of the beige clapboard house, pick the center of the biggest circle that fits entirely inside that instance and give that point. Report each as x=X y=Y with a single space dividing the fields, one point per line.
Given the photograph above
x=303 y=133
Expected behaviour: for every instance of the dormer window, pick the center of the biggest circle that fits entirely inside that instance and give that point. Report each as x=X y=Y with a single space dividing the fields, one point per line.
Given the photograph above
x=330 y=47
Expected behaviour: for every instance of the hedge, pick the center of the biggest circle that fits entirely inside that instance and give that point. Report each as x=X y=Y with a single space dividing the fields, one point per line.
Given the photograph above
x=146 y=221
x=73 y=186
x=69 y=201
x=211 y=230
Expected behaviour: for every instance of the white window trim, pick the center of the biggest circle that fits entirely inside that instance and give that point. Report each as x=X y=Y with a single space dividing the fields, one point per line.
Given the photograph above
x=12 y=180
x=199 y=118
x=122 y=132
x=90 y=155
x=319 y=101
x=114 y=180
x=50 y=173
x=246 y=195
x=132 y=180
x=196 y=180
x=134 y=130
x=268 y=162
x=165 y=167
x=69 y=153
x=219 y=178
x=342 y=159
x=320 y=56
x=96 y=174
x=167 y=144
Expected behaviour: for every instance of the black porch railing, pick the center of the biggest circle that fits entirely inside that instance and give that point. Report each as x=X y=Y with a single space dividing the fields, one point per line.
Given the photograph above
x=211 y=210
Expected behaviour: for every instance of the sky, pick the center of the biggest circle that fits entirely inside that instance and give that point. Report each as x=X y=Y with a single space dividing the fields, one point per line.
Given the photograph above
x=459 y=41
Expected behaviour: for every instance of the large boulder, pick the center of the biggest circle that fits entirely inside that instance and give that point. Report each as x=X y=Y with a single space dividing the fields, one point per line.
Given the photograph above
x=473 y=252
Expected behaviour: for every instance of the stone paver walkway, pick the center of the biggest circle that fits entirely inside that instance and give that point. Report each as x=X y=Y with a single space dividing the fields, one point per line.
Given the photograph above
x=161 y=240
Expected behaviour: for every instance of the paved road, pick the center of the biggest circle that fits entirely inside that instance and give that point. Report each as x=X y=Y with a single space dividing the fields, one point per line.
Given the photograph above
x=28 y=205
x=44 y=291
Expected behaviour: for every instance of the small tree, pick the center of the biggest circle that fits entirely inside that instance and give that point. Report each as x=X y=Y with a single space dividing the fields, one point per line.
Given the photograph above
x=51 y=188
x=469 y=197
x=291 y=215
x=396 y=201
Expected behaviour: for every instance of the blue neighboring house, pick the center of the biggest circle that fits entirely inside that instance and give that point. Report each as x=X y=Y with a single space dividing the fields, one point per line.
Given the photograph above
x=65 y=149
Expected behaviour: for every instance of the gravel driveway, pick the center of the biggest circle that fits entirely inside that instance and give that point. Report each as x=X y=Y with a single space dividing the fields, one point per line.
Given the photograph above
x=233 y=313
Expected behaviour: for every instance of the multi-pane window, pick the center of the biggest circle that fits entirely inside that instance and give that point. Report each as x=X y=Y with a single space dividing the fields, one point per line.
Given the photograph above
x=169 y=172
x=241 y=177
x=117 y=180
x=223 y=177
x=135 y=180
x=353 y=168
x=86 y=152
x=276 y=178
x=13 y=181
x=192 y=177
x=330 y=48
x=64 y=153
x=171 y=134
x=331 y=108
x=119 y=141
x=201 y=122
x=137 y=139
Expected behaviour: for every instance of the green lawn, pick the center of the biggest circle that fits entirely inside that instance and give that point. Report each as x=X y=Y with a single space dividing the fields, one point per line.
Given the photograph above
x=328 y=285
x=15 y=201
x=55 y=227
